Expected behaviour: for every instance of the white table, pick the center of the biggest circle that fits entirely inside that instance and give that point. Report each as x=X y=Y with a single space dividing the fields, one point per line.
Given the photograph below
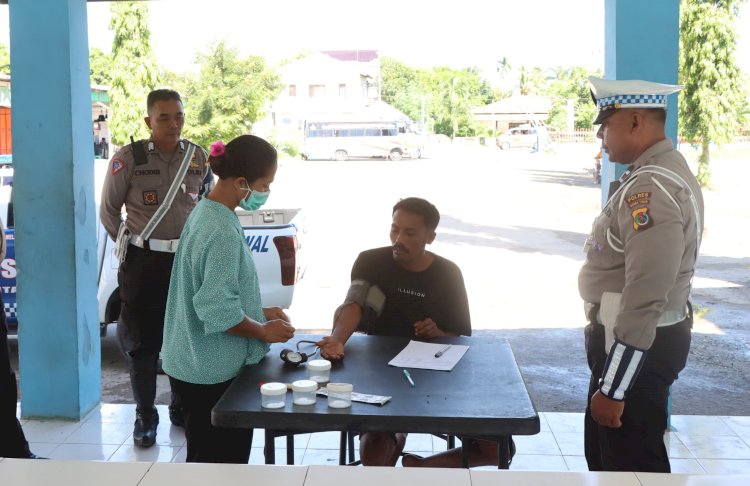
x=653 y=479
x=39 y=472
x=181 y=474
x=380 y=476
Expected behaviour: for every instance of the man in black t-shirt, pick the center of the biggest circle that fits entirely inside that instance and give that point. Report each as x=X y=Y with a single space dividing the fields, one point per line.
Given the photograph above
x=401 y=290
x=415 y=300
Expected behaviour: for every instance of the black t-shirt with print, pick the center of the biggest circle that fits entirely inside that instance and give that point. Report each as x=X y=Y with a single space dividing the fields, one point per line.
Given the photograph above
x=437 y=292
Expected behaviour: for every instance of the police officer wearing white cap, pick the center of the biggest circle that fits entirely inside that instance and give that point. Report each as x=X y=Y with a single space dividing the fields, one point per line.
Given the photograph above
x=144 y=176
x=636 y=281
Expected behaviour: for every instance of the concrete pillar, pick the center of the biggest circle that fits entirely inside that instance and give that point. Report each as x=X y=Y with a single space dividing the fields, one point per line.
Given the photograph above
x=641 y=41
x=55 y=213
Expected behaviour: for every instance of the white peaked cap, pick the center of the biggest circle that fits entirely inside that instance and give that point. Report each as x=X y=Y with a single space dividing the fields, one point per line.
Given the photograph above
x=611 y=95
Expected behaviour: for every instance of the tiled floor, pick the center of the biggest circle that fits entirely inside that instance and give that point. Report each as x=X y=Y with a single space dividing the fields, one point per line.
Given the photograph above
x=698 y=444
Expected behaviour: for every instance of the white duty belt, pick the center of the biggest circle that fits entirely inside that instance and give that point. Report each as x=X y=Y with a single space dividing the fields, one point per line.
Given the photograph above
x=166 y=246
x=667 y=318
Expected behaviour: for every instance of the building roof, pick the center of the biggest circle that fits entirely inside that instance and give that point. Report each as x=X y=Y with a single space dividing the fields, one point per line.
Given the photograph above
x=516 y=105
x=355 y=55
x=343 y=109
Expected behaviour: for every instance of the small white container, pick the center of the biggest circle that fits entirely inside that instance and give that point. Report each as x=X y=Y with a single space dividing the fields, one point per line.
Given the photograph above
x=273 y=395
x=319 y=371
x=340 y=395
x=303 y=392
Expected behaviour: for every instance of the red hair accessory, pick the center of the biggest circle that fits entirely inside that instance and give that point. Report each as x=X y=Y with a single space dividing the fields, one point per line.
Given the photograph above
x=217 y=149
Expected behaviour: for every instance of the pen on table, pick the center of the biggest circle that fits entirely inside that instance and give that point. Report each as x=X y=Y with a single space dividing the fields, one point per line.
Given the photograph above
x=442 y=351
x=408 y=377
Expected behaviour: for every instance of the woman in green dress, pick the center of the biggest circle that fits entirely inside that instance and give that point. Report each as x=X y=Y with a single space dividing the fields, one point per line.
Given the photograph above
x=215 y=323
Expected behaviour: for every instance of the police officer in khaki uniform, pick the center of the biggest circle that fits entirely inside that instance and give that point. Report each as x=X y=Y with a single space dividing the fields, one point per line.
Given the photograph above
x=139 y=176
x=640 y=262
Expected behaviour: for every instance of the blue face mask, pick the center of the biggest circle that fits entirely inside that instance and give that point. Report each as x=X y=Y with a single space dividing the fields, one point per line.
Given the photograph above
x=254 y=200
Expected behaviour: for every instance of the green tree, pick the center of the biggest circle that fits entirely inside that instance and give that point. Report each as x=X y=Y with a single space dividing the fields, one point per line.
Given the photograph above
x=447 y=95
x=100 y=65
x=531 y=81
x=710 y=102
x=134 y=72
x=503 y=67
x=459 y=91
x=4 y=59
x=401 y=87
x=570 y=83
x=228 y=96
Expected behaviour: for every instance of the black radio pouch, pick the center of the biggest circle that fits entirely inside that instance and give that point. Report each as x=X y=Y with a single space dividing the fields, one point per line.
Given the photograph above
x=139 y=155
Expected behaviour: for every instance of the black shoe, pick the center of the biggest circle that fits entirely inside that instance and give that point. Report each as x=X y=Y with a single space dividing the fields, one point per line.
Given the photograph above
x=175 y=416
x=144 y=431
x=34 y=456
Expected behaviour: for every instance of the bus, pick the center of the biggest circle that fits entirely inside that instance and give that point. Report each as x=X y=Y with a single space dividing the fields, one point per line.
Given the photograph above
x=343 y=140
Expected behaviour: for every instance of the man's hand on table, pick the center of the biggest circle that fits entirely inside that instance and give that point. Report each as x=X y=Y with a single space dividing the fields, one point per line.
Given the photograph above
x=331 y=348
x=427 y=329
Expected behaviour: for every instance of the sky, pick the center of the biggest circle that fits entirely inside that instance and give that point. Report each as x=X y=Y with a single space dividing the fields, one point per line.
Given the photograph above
x=423 y=33
x=417 y=32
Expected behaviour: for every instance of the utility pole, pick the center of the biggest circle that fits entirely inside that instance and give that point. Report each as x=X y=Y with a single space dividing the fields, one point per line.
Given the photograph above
x=422 y=115
x=570 y=106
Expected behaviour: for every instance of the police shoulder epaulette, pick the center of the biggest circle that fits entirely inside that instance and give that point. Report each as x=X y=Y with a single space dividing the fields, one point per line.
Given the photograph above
x=139 y=154
x=197 y=147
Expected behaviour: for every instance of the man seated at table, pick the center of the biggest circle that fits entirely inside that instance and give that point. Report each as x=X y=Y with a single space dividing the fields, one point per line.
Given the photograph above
x=405 y=290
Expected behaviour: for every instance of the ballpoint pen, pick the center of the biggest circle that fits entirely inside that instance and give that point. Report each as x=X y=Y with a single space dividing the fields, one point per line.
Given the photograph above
x=408 y=377
x=442 y=351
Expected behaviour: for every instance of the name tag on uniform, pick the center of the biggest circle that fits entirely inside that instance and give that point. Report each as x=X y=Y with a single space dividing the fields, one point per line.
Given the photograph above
x=588 y=243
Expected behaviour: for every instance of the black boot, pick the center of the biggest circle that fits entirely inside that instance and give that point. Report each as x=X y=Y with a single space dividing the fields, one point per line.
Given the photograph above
x=143 y=380
x=175 y=411
x=144 y=431
x=34 y=456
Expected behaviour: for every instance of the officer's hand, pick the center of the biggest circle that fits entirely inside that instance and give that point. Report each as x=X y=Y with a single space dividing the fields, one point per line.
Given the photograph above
x=272 y=313
x=331 y=348
x=427 y=329
x=277 y=331
x=605 y=411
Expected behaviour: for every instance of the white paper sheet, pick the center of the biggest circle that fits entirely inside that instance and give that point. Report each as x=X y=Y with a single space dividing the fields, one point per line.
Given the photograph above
x=421 y=355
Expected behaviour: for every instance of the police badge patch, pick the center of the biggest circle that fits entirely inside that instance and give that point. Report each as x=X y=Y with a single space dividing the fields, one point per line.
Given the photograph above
x=117 y=166
x=641 y=219
x=638 y=199
x=149 y=198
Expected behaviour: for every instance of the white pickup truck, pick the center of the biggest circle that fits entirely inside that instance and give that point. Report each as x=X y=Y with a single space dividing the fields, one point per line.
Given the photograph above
x=275 y=237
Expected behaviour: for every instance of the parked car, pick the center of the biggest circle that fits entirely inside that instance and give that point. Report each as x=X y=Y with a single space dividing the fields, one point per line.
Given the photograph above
x=275 y=237
x=519 y=137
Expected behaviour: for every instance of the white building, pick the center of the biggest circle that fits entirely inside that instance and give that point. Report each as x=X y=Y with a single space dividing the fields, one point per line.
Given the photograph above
x=512 y=112
x=327 y=85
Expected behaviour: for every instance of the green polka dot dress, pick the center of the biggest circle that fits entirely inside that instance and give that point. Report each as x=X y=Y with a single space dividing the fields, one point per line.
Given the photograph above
x=214 y=285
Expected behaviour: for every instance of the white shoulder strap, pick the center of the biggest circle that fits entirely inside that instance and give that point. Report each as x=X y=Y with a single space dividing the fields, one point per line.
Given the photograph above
x=164 y=206
x=674 y=177
x=671 y=175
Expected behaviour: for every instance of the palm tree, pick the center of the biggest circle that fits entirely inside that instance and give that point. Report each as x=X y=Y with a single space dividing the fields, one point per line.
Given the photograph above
x=503 y=67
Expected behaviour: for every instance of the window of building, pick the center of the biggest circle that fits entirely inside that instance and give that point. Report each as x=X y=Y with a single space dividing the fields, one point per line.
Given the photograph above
x=292 y=90
x=342 y=90
x=317 y=90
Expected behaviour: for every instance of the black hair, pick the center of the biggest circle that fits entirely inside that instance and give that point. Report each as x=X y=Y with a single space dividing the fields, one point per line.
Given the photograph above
x=161 y=95
x=659 y=114
x=420 y=207
x=246 y=156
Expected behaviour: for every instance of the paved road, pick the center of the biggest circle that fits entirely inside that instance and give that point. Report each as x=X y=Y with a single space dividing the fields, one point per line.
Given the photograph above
x=515 y=223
